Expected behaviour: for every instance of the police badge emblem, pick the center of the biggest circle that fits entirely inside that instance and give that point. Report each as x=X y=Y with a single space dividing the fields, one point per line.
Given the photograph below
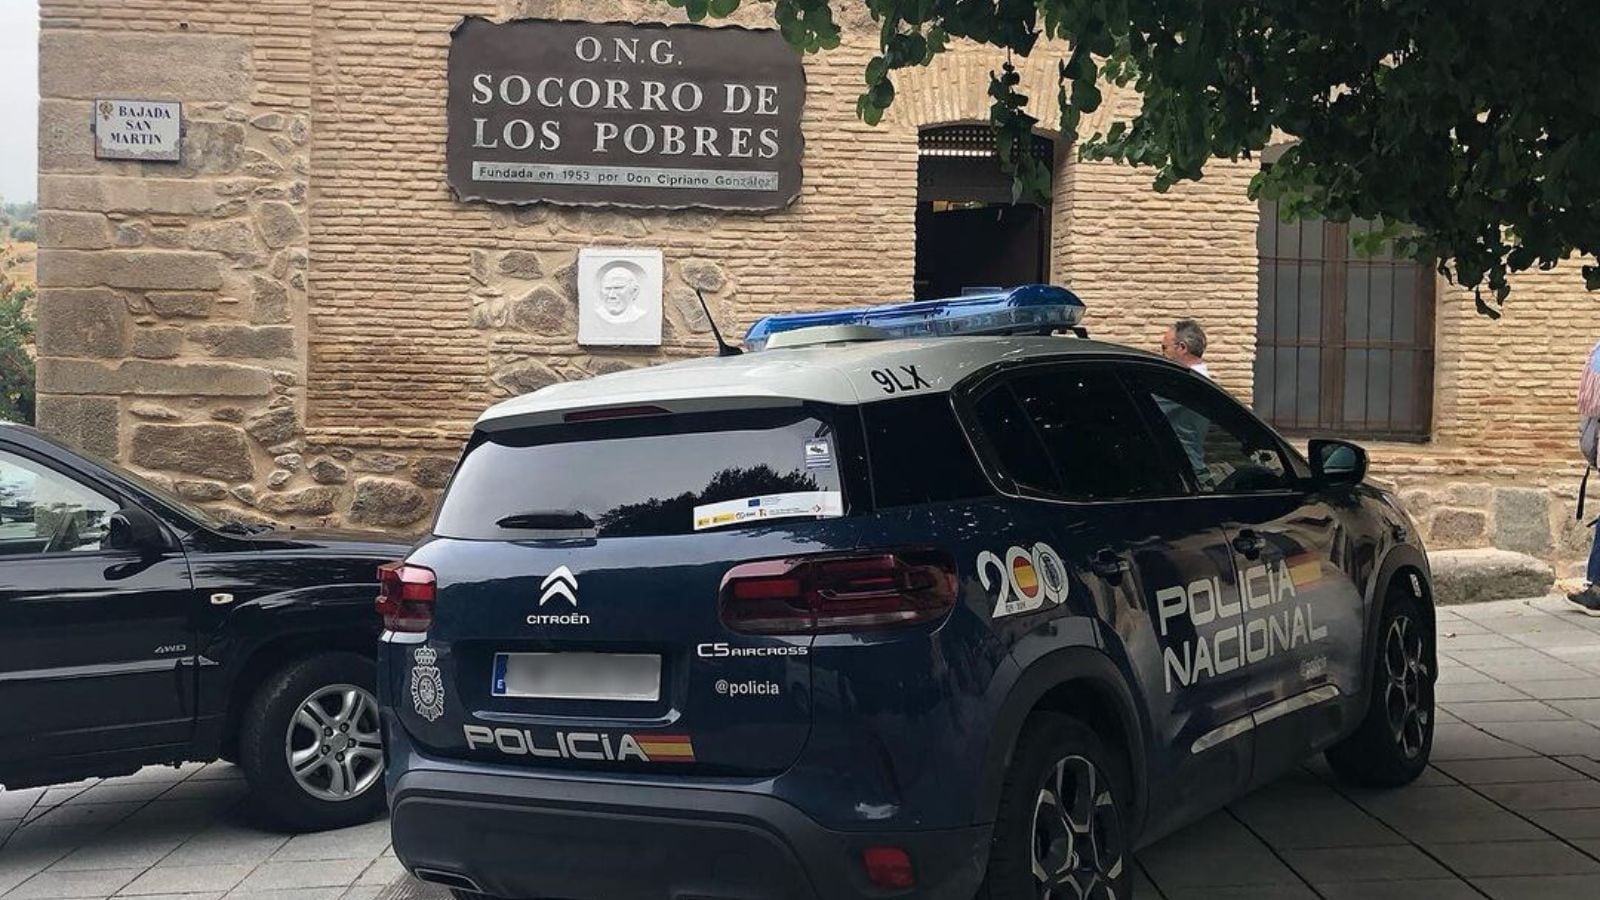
x=427 y=688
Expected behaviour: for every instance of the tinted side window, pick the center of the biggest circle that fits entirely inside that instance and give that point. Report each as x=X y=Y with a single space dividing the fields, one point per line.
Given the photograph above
x=43 y=511
x=918 y=452
x=1228 y=451
x=1073 y=432
x=1094 y=435
x=1013 y=440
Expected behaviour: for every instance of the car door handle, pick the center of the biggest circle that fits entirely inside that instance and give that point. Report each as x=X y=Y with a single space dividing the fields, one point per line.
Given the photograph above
x=1249 y=543
x=1108 y=563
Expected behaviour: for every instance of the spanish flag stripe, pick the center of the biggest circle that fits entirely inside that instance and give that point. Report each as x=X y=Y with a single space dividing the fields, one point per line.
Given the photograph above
x=1305 y=568
x=674 y=747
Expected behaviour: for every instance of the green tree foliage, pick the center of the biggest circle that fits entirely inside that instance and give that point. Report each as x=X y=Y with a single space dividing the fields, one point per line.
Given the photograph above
x=20 y=219
x=16 y=331
x=1470 y=128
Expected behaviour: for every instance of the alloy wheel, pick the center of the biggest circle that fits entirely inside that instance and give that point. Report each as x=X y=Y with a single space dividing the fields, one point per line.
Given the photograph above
x=1077 y=842
x=333 y=745
x=1406 y=673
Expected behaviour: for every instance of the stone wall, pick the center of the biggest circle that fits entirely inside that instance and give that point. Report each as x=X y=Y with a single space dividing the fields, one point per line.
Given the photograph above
x=299 y=322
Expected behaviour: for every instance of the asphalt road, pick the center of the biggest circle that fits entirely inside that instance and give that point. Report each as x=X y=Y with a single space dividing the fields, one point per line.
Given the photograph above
x=1509 y=809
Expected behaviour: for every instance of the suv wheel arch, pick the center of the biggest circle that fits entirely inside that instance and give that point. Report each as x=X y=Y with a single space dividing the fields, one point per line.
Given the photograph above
x=1399 y=564
x=269 y=657
x=1081 y=682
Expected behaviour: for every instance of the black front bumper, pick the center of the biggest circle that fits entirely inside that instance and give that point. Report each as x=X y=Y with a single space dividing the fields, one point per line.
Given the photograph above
x=530 y=837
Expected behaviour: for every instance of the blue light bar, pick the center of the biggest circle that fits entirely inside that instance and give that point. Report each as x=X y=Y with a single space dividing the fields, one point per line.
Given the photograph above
x=1031 y=309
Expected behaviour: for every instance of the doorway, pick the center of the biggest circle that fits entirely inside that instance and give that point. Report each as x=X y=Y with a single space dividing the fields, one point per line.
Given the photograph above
x=970 y=237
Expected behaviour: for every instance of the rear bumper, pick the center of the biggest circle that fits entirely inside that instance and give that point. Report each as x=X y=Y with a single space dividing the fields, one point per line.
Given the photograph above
x=528 y=836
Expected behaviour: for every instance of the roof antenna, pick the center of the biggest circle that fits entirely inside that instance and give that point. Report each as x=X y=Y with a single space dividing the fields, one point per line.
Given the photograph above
x=723 y=347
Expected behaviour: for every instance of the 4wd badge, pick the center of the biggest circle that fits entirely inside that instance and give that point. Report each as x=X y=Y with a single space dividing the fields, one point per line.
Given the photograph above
x=427 y=688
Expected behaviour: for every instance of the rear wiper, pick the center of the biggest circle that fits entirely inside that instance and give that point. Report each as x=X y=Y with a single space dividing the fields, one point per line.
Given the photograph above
x=547 y=520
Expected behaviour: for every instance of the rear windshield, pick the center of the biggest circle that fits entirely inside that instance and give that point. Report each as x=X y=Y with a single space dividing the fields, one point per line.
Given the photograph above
x=654 y=475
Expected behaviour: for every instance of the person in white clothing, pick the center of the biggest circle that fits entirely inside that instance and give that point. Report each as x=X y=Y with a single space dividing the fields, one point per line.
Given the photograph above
x=1185 y=343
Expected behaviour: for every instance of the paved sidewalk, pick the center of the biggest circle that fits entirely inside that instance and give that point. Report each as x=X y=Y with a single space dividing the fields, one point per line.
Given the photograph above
x=1510 y=808
x=167 y=832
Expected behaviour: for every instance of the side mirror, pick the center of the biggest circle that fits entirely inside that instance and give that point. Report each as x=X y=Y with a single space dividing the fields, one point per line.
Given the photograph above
x=1338 y=462
x=135 y=530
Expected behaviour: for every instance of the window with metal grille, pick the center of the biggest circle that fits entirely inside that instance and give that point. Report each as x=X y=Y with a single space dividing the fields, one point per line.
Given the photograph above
x=1344 y=342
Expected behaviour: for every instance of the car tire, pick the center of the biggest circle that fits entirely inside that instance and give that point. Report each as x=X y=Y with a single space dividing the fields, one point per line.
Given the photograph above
x=340 y=771
x=1392 y=745
x=1037 y=842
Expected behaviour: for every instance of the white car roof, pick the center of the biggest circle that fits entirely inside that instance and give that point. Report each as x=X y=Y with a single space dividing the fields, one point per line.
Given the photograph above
x=842 y=373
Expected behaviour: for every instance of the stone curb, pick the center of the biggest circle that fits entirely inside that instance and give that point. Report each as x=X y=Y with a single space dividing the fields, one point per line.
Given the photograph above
x=1480 y=576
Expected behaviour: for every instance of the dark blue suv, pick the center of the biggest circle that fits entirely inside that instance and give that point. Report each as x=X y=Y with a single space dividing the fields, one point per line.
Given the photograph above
x=858 y=618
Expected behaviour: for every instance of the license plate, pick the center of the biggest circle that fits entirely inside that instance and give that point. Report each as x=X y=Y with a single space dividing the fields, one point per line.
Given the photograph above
x=632 y=677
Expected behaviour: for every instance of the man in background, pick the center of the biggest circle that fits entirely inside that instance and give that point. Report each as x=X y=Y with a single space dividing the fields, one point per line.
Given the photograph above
x=1185 y=343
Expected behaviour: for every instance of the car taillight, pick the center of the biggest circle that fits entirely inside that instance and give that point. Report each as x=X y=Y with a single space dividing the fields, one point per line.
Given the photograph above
x=405 y=597
x=829 y=594
x=889 y=867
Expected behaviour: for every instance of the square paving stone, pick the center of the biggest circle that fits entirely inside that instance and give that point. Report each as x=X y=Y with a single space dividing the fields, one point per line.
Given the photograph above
x=1511 y=656
x=85 y=815
x=218 y=771
x=1459 y=674
x=1432 y=777
x=61 y=793
x=117 y=792
x=1344 y=864
x=1431 y=889
x=186 y=880
x=16 y=804
x=227 y=844
x=1513 y=858
x=1580 y=709
x=287 y=894
x=1549 y=738
x=1562 y=689
x=1585 y=764
x=1570 y=824
x=1445 y=814
x=1240 y=892
x=1554 y=670
x=1545 y=795
x=1484 y=690
x=1561 y=636
x=52 y=885
x=1452 y=742
x=1213 y=852
x=221 y=790
x=1541 y=887
x=1509 y=771
x=1479 y=712
x=360 y=842
x=133 y=852
x=386 y=870
x=1311 y=818
x=293 y=876
x=1460 y=626
x=1484 y=639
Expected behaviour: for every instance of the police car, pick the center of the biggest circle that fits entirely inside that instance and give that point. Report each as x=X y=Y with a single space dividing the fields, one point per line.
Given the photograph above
x=909 y=601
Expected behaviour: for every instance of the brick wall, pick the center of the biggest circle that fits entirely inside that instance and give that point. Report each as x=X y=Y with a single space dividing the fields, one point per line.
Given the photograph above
x=299 y=322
